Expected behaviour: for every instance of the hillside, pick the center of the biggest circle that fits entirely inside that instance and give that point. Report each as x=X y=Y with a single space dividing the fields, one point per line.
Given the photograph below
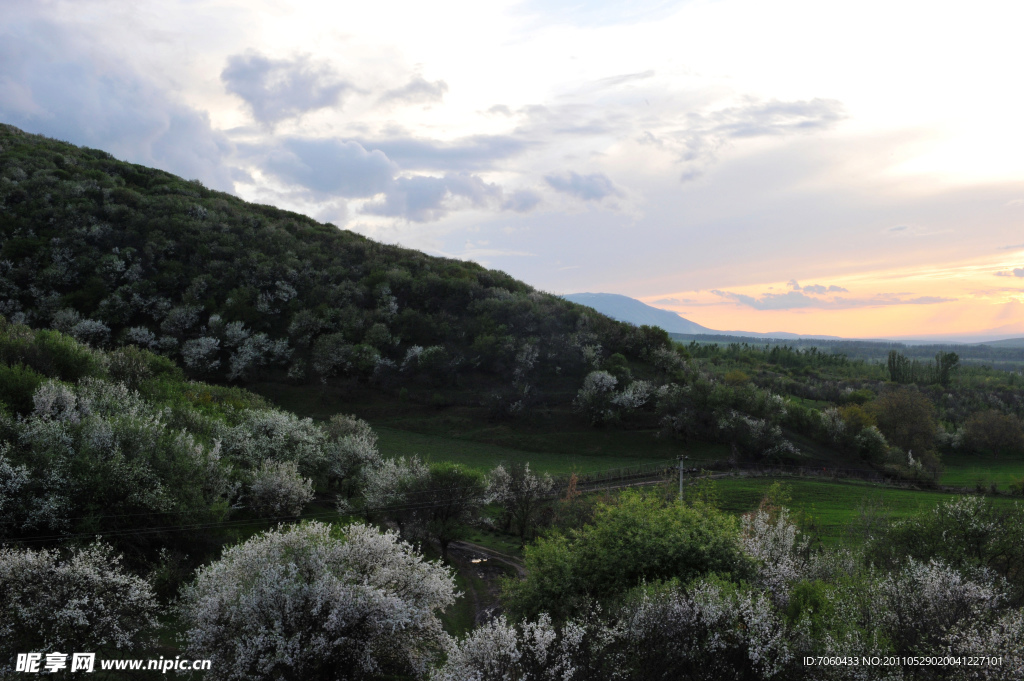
x=114 y=253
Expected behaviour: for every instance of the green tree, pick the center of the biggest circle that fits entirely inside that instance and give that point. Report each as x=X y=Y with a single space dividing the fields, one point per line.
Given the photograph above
x=642 y=538
x=444 y=501
x=907 y=419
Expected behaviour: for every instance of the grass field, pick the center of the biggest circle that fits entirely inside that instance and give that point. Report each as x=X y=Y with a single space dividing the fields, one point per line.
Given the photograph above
x=831 y=509
x=968 y=470
x=484 y=456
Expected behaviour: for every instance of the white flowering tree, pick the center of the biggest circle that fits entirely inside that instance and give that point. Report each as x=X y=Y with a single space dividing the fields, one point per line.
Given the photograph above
x=595 y=396
x=351 y=447
x=387 y=487
x=82 y=601
x=277 y=490
x=773 y=542
x=711 y=630
x=520 y=493
x=200 y=354
x=531 y=651
x=314 y=602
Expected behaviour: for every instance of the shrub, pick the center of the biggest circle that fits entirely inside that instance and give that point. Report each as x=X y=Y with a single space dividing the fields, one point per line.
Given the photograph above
x=277 y=490
x=309 y=602
x=83 y=601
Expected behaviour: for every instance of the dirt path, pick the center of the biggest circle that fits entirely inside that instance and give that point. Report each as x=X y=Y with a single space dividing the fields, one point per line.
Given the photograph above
x=484 y=569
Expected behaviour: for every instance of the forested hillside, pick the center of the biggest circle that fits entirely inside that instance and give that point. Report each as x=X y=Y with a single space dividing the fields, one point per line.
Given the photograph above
x=118 y=255
x=114 y=253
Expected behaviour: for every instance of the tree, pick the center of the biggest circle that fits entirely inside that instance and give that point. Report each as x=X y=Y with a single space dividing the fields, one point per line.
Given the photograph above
x=277 y=490
x=314 y=602
x=83 y=601
x=899 y=367
x=444 y=501
x=520 y=493
x=945 y=364
x=640 y=538
x=906 y=418
x=994 y=432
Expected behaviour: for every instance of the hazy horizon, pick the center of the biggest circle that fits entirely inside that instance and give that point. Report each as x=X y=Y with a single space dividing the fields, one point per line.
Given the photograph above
x=848 y=169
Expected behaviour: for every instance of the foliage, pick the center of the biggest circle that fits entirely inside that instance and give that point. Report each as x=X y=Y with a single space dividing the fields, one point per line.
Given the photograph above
x=307 y=602
x=640 y=538
x=78 y=601
x=278 y=490
x=443 y=502
x=994 y=432
x=115 y=253
x=520 y=493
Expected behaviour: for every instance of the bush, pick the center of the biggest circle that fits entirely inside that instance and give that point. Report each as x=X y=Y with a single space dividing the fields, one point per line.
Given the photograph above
x=312 y=602
x=993 y=432
x=277 y=490
x=81 y=602
x=641 y=538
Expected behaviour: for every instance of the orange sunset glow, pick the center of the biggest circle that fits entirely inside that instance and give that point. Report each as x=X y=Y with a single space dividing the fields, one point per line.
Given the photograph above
x=979 y=296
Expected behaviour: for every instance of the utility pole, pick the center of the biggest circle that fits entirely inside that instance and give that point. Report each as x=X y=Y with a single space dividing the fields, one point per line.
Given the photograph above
x=682 y=492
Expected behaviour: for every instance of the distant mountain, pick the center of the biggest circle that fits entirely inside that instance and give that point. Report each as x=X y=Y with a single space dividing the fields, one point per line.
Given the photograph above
x=626 y=309
x=1007 y=343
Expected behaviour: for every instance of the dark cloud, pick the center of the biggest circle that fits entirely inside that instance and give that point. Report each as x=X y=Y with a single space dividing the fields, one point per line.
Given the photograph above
x=52 y=84
x=479 y=152
x=326 y=166
x=587 y=187
x=418 y=89
x=521 y=201
x=794 y=300
x=276 y=89
x=424 y=199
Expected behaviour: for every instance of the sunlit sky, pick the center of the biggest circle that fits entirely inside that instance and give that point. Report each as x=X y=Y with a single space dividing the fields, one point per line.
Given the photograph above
x=844 y=168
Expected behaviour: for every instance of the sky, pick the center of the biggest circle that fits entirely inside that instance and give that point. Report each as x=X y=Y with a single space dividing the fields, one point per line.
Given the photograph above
x=845 y=168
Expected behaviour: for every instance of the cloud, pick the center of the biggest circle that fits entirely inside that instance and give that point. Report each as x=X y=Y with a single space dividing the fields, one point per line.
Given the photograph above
x=1014 y=247
x=701 y=136
x=51 y=83
x=819 y=289
x=425 y=199
x=276 y=89
x=776 y=118
x=521 y=201
x=418 y=89
x=478 y=152
x=613 y=81
x=796 y=300
x=326 y=166
x=674 y=301
x=587 y=187
x=598 y=12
